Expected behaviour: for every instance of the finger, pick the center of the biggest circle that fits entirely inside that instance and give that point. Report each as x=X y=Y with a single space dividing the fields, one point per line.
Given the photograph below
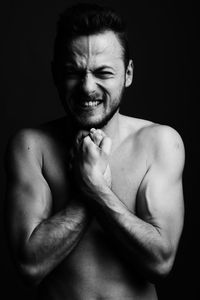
x=92 y=130
x=87 y=142
x=97 y=136
x=106 y=145
x=101 y=132
x=92 y=134
x=80 y=136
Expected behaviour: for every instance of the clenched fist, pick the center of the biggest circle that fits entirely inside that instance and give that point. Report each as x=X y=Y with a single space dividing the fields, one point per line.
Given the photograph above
x=90 y=161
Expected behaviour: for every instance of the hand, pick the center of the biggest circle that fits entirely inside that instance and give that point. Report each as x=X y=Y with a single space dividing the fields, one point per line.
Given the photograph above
x=90 y=160
x=97 y=137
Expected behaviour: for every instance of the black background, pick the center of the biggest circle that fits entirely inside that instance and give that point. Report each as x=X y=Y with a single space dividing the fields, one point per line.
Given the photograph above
x=164 y=43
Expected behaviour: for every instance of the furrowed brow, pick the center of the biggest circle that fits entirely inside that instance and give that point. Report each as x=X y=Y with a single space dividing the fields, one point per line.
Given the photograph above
x=102 y=68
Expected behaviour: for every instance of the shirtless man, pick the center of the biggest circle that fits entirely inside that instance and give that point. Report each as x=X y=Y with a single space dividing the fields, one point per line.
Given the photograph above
x=94 y=200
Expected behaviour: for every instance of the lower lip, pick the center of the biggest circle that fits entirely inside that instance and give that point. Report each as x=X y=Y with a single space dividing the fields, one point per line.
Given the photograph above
x=86 y=106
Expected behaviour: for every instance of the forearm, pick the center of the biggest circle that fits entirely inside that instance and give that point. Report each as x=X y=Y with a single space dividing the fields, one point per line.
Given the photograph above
x=53 y=239
x=140 y=241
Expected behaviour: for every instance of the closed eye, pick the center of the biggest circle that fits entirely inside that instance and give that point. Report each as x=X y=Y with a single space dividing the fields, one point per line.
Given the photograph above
x=103 y=74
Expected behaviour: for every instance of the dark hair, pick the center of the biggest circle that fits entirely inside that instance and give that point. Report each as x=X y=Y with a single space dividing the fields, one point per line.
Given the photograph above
x=86 y=19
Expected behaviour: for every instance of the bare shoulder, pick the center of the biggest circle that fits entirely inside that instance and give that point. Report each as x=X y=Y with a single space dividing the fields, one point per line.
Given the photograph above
x=34 y=136
x=25 y=137
x=166 y=150
x=161 y=136
x=24 y=141
x=22 y=151
x=165 y=143
x=162 y=143
x=30 y=143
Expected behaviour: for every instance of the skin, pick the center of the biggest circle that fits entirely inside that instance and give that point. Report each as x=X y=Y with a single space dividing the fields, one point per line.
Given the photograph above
x=95 y=214
x=94 y=69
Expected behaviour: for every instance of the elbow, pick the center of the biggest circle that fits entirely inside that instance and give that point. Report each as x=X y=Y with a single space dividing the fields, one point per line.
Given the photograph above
x=161 y=267
x=32 y=275
x=31 y=270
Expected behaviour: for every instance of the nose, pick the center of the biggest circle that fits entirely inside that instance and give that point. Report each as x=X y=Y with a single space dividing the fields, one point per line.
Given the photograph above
x=88 y=84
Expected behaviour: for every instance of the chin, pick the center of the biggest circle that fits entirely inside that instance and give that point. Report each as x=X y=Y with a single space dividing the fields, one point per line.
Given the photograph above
x=88 y=124
x=92 y=122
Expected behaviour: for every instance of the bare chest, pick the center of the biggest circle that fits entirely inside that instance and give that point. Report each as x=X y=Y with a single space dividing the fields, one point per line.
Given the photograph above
x=128 y=167
x=96 y=256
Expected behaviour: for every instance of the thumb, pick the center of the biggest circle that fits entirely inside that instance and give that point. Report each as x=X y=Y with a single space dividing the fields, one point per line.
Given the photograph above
x=106 y=145
x=80 y=136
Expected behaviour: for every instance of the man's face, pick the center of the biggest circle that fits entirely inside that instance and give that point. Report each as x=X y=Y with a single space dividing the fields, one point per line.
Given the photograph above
x=95 y=78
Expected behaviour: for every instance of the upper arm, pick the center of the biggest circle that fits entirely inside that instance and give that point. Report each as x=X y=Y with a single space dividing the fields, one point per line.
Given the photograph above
x=28 y=197
x=160 y=197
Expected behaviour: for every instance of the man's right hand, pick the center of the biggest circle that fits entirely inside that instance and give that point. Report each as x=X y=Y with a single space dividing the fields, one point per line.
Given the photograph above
x=90 y=160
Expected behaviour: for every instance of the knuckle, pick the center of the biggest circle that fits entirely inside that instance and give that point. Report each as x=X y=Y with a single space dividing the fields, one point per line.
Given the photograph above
x=98 y=136
x=101 y=132
x=86 y=139
x=86 y=142
x=92 y=130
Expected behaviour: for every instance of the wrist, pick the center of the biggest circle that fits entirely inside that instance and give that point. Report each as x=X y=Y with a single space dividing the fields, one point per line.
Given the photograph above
x=107 y=176
x=100 y=190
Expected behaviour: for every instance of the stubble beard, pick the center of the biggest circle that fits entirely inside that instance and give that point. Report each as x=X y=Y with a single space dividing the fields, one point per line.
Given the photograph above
x=81 y=122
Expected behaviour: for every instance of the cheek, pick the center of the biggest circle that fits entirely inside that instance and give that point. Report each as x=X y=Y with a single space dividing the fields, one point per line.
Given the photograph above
x=115 y=86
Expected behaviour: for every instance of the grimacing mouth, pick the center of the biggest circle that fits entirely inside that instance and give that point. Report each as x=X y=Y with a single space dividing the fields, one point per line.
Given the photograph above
x=87 y=102
x=90 y=103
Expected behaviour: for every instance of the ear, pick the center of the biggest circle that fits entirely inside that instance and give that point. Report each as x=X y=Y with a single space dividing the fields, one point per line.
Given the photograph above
x=129 y=73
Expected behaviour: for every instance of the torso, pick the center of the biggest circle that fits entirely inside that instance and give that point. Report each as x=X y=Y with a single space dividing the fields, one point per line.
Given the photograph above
x=95 y=269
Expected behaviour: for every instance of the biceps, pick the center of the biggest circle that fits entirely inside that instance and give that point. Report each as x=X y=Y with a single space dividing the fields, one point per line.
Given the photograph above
x=27 y=204
x=161 y=204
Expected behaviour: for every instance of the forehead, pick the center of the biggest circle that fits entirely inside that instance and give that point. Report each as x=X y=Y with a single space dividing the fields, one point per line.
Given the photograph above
x=96 y=47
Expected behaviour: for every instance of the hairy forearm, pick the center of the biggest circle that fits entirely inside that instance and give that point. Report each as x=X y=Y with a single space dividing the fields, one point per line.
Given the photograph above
x=140 y=241
x=53 y=239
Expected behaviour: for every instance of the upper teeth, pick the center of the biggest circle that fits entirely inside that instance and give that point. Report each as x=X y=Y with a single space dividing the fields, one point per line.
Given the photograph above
x=91 y=103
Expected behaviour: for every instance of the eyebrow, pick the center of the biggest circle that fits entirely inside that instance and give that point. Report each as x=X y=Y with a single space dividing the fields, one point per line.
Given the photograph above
x=100 y=68
x=104 y=67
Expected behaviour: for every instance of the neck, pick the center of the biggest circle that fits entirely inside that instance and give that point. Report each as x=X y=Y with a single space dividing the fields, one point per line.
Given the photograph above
x=111 y=129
